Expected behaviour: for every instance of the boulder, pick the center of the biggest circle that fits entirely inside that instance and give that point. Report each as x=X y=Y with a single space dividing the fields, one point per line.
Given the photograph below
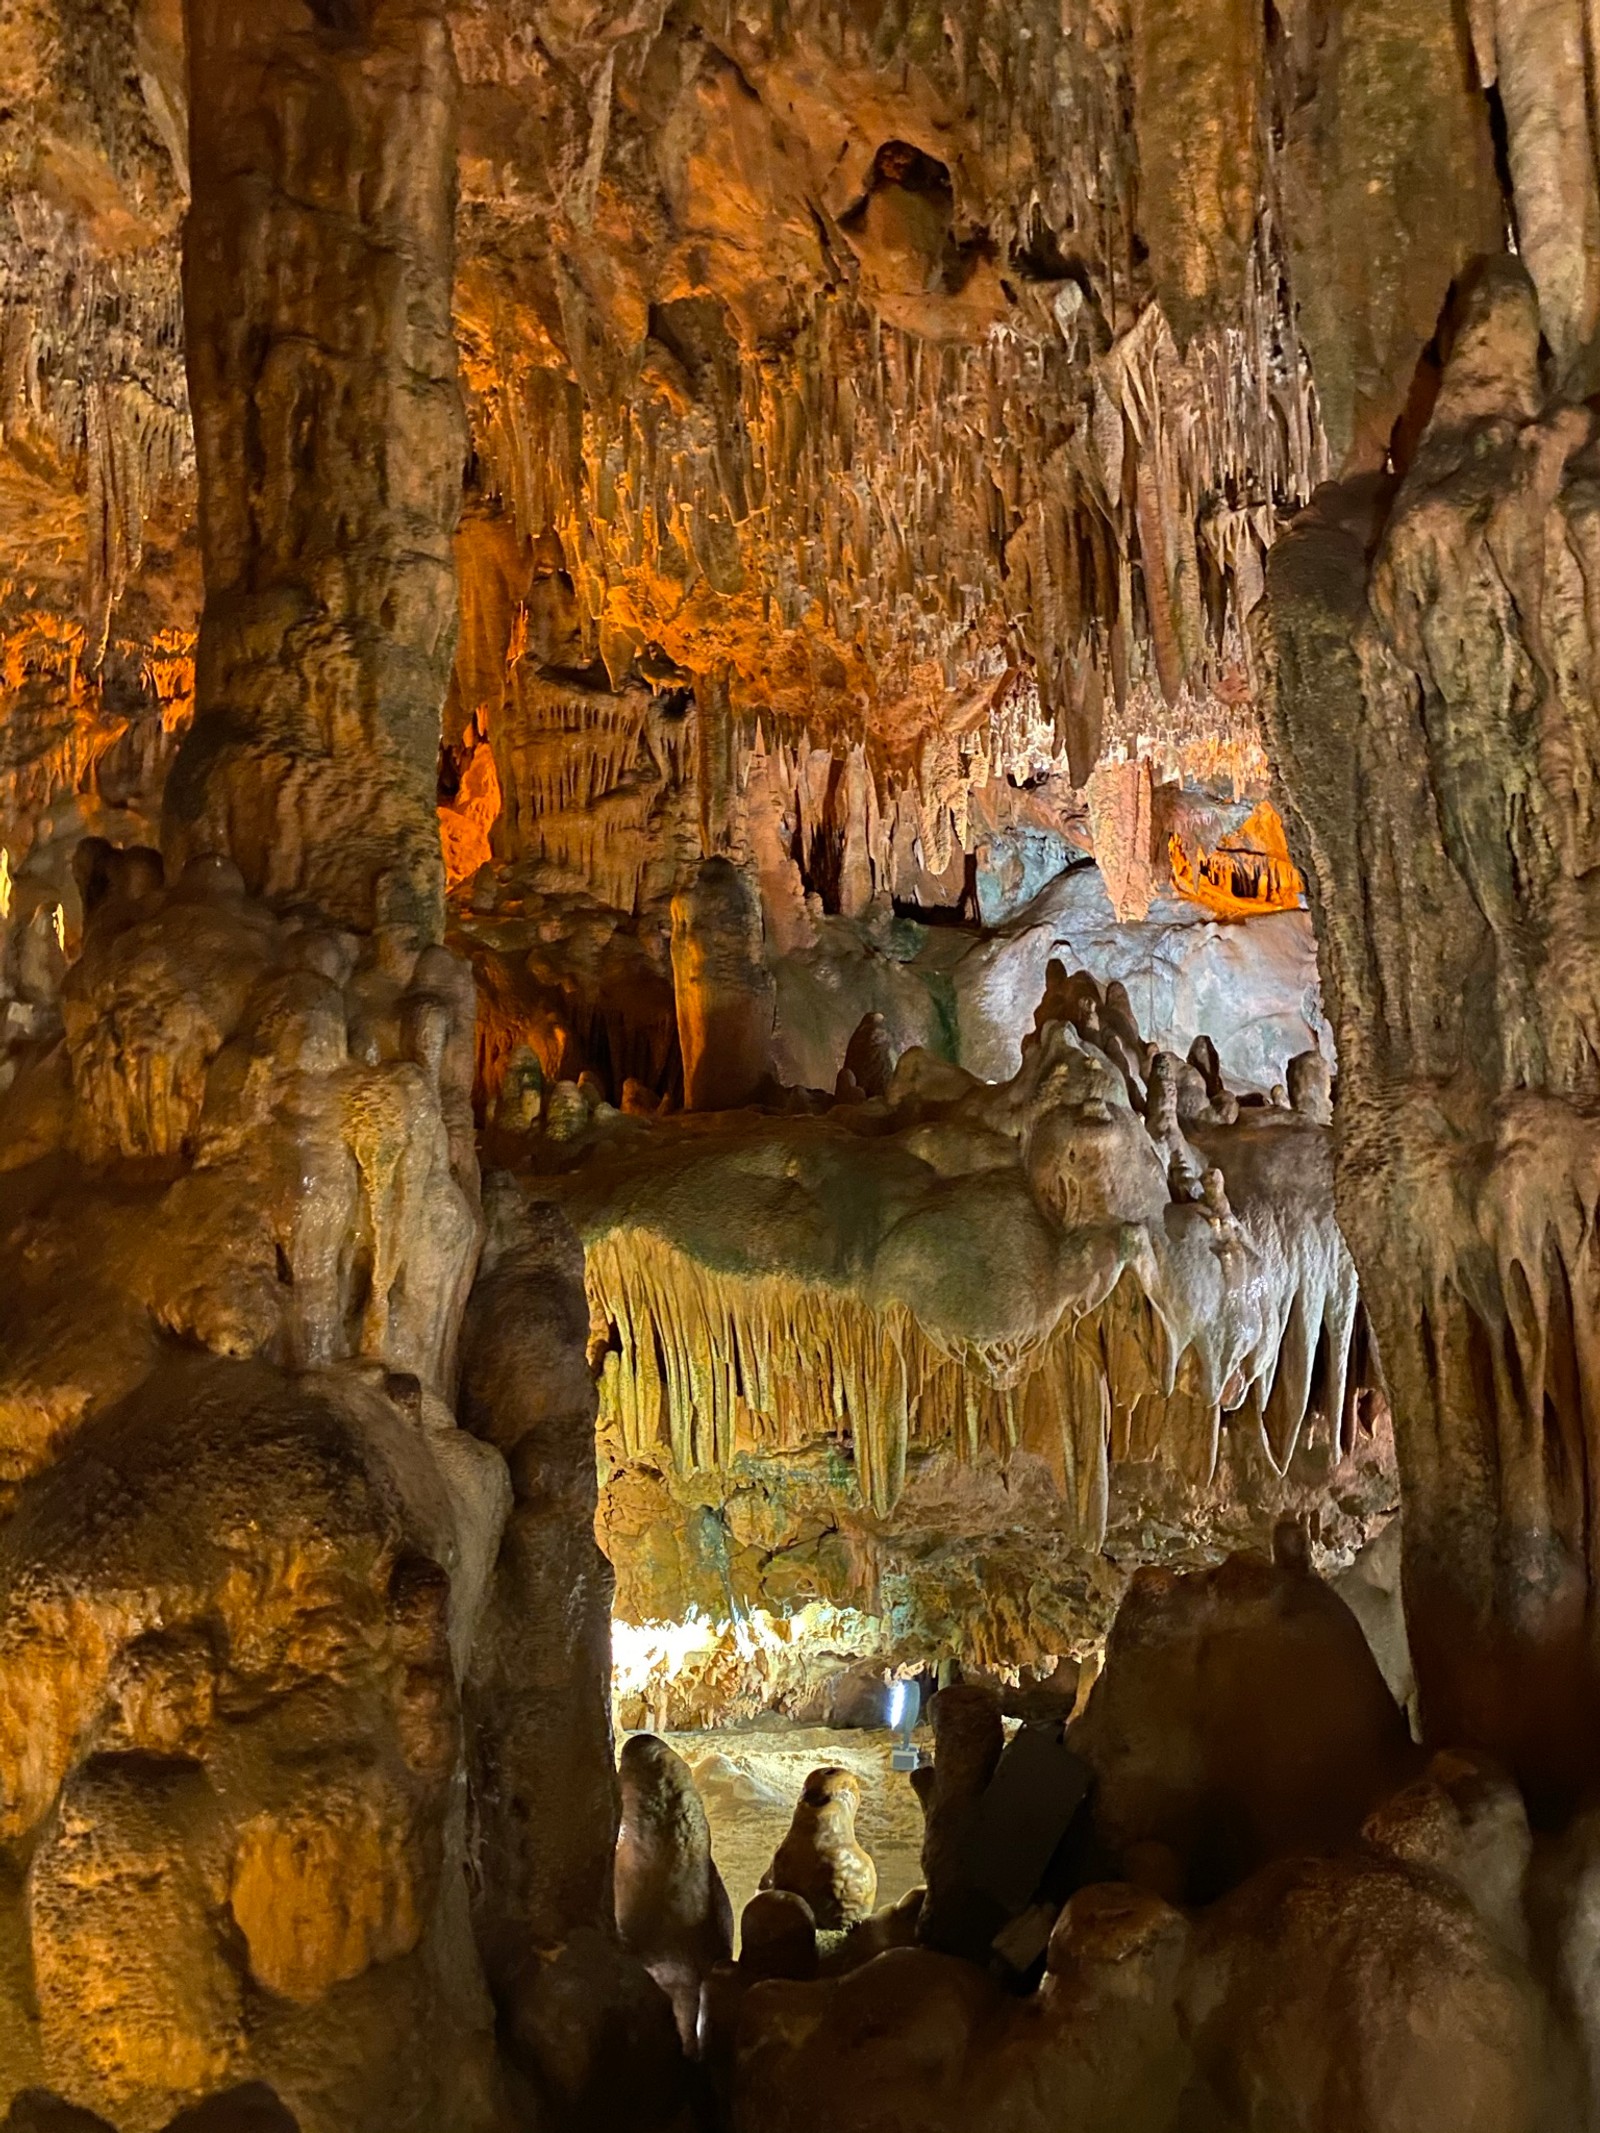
x=1239 y=1716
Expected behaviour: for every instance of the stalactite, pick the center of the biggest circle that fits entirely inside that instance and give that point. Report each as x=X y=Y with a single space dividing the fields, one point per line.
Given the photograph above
x=1249 y=872
x=876 y=536
x=1434 y=721
x=91 y=359
x=1119 y=797
x=706 y=1363
x=841 y=1310
x=581 y=786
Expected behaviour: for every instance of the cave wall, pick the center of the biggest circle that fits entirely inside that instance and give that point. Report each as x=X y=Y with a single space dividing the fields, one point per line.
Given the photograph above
x=836 y=357
x=878 y=429
x=1450 y=626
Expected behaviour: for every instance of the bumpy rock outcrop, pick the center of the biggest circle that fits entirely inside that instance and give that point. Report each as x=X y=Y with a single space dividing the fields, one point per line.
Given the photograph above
x=1240 y=1715
x=1034 y=1262
x=247 y=1547
x=1435 y=662
x=233 y=1615
x=578 y=2017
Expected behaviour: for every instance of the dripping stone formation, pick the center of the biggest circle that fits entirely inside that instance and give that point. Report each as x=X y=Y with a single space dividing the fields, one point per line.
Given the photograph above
x=799 y=1066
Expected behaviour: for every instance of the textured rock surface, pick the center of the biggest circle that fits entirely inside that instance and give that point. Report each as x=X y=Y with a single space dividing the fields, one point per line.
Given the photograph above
x=536 y=1705
x=228 y=1763
x=672 y=1910
x=876 y=424
x=1036 y=1332
x=1239 y=1716
x=317 y=279
x=247 y=1550
x=1434 y=710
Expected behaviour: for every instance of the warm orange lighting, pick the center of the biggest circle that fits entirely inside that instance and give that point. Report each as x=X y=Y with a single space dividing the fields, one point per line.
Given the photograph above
x=43 y=642
x=1249 y=873
x=465 y=821
x=169 y=667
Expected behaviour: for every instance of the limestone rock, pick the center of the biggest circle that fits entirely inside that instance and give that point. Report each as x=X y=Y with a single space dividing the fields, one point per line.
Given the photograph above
x=821 y=1860
x=1359 y=1993
x=231 y=1749
x=326 y=642
x=1239 y=1716
x=672 y=1909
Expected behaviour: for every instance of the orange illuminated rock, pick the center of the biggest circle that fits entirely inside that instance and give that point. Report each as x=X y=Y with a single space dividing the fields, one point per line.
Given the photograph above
x=465 y=822
x=724 y=989
x=1119 y=797
x=1249 y=872
x=324 y=1889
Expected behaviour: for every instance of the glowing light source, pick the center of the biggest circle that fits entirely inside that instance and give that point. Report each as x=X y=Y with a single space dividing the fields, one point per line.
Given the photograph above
x=5 y=882
x=706 y=1670
x=905 y=1708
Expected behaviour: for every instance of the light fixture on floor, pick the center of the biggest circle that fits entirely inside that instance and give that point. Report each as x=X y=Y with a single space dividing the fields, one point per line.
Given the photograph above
x=905 y=1707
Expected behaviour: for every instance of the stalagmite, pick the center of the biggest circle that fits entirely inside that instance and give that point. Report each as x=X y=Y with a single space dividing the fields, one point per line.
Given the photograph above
x=820 y=1860
x=672 y=1909
x=712 y=608
x=540 y=1755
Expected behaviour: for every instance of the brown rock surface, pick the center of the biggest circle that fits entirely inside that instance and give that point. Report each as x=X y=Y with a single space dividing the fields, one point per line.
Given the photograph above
x=322 y=375
x=1361 y=1994
x=673 y=1912
x=821 y=1860
x=852 y=439
x=1239 y=1716
x=1450 y=712
x=233 y=1728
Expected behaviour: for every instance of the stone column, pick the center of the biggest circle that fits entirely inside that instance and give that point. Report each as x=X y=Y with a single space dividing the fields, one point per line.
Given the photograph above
x=329 y=435
x=579 y=2016
x=725 y=992
x=1435 y=717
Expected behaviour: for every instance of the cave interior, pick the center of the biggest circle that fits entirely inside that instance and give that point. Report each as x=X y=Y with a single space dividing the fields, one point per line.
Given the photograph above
x=768 y=1358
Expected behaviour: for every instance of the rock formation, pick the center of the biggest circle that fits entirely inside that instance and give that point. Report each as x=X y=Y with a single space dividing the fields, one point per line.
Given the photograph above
x=820 y=1860
x=928 y=675
x=1434 y=693
x=328 y=435
x=672 y=1909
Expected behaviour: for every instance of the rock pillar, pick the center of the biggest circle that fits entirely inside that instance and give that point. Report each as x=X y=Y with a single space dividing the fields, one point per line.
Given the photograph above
x=583 y=2023
x=329 y=435
x=725 y=991
x=1436 y=721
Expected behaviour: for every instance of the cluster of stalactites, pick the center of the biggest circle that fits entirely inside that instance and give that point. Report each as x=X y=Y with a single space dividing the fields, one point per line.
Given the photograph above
x=91 y=361
x=859 y=490
x=1249 y=1310
x=1068 y=462
x=854 y=828
x=706 y=1365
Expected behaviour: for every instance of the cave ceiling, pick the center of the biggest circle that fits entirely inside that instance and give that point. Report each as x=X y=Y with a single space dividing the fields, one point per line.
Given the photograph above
x=924 y=379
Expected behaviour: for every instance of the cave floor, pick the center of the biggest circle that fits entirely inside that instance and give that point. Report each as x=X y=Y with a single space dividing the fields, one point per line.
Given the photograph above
x=750 y=1776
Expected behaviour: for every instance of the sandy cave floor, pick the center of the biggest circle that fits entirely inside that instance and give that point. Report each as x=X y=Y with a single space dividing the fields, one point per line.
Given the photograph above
x=750 y=1777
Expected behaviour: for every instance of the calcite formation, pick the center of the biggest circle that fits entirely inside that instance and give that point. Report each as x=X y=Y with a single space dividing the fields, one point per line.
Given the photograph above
x=248 y=1548
x=695 y=704
x=328 y=432
x=1036 y=1262
x=1449 y=626
x=235 y=1613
